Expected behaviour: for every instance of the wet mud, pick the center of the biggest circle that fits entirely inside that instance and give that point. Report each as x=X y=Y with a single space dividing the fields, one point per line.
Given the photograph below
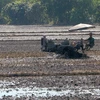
x=27 y=73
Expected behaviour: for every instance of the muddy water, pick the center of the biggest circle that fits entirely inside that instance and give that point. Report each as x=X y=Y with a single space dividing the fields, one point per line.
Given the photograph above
x=37 y=28
x=31 y=32
x=44 y=92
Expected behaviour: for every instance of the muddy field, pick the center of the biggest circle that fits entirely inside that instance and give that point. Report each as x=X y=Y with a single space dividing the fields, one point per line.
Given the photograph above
x=27 y=73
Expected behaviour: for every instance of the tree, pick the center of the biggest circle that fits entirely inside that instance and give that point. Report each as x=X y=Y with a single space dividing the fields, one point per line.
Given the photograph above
x=16 y=13
x=23 y=13
x=36 y=14
x=4 y=2
x=82 y=12
x=71 y=11
x=96 y=12
x=58 y=11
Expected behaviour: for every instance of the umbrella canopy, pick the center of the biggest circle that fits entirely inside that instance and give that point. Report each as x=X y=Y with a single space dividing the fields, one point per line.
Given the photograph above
x=81 y=26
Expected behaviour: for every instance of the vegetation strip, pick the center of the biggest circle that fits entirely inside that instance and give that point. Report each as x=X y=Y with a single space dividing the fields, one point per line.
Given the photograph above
x=25 y=12
x=21 y=54
x=72 y=73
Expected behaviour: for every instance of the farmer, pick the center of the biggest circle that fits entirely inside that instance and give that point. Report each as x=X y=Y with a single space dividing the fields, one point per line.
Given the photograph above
x=90 y=41
x=44 y=42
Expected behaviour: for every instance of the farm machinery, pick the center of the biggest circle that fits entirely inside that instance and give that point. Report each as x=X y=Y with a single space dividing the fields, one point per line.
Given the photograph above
x=65 y=48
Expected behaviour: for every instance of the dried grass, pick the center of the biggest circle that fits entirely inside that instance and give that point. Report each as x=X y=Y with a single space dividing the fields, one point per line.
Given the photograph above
x=21 y=54
x=93 y=52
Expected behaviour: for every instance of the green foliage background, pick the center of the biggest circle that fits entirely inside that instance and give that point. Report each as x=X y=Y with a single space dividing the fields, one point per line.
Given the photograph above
x=56 y=12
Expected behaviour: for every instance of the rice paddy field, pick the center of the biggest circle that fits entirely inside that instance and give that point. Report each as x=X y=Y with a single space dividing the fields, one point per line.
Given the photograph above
x=27 y=73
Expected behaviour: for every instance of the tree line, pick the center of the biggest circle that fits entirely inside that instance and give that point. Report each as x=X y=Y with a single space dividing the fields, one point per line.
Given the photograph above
x=55 y=12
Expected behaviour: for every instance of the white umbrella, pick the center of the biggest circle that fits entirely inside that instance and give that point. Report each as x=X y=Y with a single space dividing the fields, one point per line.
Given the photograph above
x=81 y=26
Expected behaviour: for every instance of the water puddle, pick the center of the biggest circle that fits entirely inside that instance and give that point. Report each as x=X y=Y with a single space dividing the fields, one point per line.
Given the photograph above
x=37 y=92
x=46 y=92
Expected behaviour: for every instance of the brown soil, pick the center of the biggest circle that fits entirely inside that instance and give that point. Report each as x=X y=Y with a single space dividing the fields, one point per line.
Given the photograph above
x=23 y=63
